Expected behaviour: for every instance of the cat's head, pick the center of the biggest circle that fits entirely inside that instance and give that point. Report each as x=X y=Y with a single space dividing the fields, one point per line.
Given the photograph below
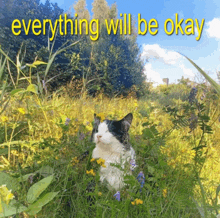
x=108 y=131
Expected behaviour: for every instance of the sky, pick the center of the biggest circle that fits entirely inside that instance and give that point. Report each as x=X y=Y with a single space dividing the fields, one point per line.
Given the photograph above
x=161 y=50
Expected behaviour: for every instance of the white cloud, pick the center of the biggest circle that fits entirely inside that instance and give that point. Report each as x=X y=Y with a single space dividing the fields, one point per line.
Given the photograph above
x=214 y=28
x=188 y=73
x=156 y=52
x=152 y=75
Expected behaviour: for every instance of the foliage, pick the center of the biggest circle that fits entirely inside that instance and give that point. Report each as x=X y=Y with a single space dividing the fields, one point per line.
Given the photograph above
x=102 y=65
x=54 y=134
x=35 y=204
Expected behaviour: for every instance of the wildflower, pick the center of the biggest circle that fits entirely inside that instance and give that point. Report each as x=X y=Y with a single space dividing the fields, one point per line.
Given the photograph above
x=117 y=195
x=192 y=95
x=133 y=164
x=137 y=201
x=56 y=157
x=90 y=172
x=21 y=110
x=103 y=165
x=101 y=116
x=93 y=159
x=141 y=179
x=99 y=193
x=135 y=103
x=67 y=121
x=74 y=161
x=87 y=172
x=100 y=161
x=4 y=119
x=5 y=196
x=164 y=192
x=14 y=152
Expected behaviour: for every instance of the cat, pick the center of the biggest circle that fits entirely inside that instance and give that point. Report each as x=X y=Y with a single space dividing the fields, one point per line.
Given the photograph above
x=112 y=144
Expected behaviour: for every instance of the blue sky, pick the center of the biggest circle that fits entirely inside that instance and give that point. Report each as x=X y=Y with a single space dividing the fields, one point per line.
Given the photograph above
x=161 y=49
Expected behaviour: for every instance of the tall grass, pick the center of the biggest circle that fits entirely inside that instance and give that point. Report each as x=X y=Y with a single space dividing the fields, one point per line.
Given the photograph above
x=49 y=138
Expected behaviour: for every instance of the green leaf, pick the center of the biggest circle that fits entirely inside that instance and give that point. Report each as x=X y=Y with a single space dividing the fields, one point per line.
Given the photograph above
x=217 y=190
x=46 y=171
x=39 y=84
x=33 y=88
x=2 y=67
x=212 y=82
x=3 y=151
x=36 y=189
x=150 y=169
x=10 y=182
x=54 y=55
x=34 y=211
x=13 y=92
x=37 y=206
x=11 y=209
x=38 y=63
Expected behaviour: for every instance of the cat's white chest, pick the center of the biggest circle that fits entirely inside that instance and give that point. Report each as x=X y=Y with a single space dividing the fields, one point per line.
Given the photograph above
x=108 y=153
x=116 y=155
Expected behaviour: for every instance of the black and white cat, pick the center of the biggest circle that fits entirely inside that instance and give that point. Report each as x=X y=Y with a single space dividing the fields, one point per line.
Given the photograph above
x=112 y=145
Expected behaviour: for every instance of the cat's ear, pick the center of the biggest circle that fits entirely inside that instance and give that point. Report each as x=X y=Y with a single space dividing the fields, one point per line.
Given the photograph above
x=128 y=118
x=126 y=121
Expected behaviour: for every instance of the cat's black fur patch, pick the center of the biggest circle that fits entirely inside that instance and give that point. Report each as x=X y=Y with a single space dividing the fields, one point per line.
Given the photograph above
x=117 y=128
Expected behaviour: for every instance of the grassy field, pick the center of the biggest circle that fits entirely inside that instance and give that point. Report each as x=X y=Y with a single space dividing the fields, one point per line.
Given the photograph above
x=46 y=159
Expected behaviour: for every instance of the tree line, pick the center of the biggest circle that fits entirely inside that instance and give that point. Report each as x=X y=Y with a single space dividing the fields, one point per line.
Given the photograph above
x=111 y=64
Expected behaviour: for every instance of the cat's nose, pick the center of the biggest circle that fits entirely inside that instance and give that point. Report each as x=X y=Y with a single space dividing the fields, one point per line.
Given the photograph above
x=99 y=136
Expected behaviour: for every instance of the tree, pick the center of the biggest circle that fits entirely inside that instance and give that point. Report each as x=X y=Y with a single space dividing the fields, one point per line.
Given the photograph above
x=100 y=10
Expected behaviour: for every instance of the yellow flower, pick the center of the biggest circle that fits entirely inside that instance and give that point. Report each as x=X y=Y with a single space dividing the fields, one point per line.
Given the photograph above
x=164 y=192
x=101 y=116
x=135 y=103
x=5 y=195
x=99 y=193
x=87 y=172
x=56 y=157
x=4 y=119
x=93 y=159
x=14 y=152
x=103 y=165
x=74 y=161
x=21 y=110
x=9 y=197
x=137 y=201
x=90 y=172
x=100 y=161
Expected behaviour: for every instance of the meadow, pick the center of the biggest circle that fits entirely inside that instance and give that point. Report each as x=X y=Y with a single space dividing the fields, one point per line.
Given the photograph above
x=46 y=156
x=46 y=169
